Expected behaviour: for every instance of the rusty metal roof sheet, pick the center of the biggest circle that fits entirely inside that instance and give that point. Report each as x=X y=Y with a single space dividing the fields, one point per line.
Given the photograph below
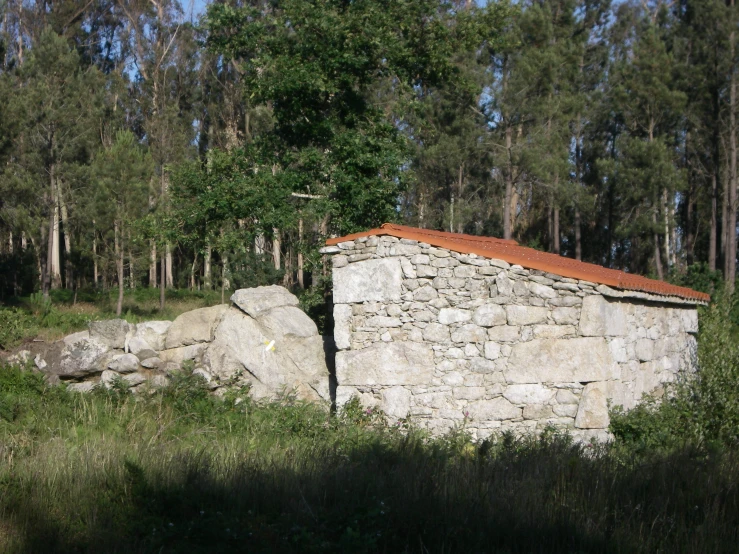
x=513 y=253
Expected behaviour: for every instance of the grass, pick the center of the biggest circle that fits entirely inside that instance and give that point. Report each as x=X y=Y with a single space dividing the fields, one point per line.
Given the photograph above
x=179 y=471
x=32 y=317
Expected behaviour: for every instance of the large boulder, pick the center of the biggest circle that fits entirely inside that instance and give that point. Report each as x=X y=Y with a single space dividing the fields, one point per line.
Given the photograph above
x=258 y=300
x=194 y=327
x=154 y=333
x=278 y=352
x=80 y=355
x=111 y=332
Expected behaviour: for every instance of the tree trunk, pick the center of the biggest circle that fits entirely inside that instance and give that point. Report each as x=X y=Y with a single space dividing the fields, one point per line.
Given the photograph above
x=152 y=264
x=119 y=249
x=95 y=255
x=578 y=239
x=301 y=279
x=170 y=276
x=712 y=235
x=68 y=269
x=276 y=254
x=163 y=282
x=555 y=234
x=207 y=278
x=192 y=270
x=507 y=207
x=730 y=263
x=56 y=266
x=666 y=217
x=657 y=257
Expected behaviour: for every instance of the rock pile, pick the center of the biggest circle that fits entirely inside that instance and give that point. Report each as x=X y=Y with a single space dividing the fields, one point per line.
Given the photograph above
x=262 y=339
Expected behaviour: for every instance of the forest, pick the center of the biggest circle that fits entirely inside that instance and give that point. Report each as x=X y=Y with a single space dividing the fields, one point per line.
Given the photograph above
x=163 y=145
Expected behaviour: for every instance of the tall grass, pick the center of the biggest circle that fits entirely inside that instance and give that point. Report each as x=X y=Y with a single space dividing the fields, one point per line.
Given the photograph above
x=178 y=471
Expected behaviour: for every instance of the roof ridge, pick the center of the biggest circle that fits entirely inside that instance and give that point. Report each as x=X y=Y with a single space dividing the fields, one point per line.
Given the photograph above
x=512 y=252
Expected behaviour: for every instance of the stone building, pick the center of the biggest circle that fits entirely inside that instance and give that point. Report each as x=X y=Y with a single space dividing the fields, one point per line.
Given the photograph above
x=454 y=330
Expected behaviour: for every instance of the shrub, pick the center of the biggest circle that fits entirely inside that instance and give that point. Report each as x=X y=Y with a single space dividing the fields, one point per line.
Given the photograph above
x=15 y=325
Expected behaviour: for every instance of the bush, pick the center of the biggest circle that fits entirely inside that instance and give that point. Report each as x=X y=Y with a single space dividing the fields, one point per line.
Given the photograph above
x=15 y=325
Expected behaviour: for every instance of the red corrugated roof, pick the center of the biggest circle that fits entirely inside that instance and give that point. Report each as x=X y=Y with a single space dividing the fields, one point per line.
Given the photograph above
x=513 y=253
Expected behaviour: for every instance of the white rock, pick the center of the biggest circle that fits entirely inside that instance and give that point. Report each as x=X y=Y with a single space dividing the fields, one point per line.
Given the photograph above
x=644 y=349
x=380 y=321
x=448 y=316
x=689 y=318
x=593 y=410
x=140 y=348
x=108 y=378
x=560 y=361
x=541 y=291
x=124 y=363
x=111 y=332
x=425 y=294
x=504 y=284
x=195 y=326
x=342 y=325
x=134 y=379
x=525 y=315
x=255 y=301
x=469 y=333
x=408 y=271
x=600 y=317
x=489 y=315
x=495 y=409
x=153 y=332
x=504 y=333
x=566 y=316
x=287 y=320
x=151 y=363
x=80 y=355
x=183 y=353
x=369 y=280
x=528 y=394
x=392 y=363
x=492 y=350
x=436 y=332
x=84 y=386
x=396 y=402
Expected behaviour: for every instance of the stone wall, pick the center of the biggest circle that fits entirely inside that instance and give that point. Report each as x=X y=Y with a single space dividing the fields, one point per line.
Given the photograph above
x=262 y=339
x=452 y=339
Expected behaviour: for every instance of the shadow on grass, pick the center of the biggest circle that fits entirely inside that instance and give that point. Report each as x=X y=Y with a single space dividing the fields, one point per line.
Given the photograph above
x=401 y=496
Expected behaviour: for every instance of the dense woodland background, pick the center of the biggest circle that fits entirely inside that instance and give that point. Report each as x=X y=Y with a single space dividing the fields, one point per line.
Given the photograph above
x=144 y=146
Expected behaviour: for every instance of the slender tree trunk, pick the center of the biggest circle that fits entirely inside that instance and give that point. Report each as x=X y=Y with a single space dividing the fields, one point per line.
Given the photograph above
x=666 y=217
x=170 y=275
x=713 y=232
x=24 y=244
x=555 y=235
x=192 y=270
x=207 y=279
x=68 y=269
x=689 y=224
x=119 y=249
x=56 y=266
x=657 y=257
x=301 y=279
x=507 y=205
x=95 y=255
x=10 y=242
x=460 y=192
x=131 y=265
x=152 y=264
x=276 y=245
x=163 y=281
x=578 y=239
x=731 y=226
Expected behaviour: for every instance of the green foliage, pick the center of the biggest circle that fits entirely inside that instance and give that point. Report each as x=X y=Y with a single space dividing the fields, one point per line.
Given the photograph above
x=177 y=470
x=15 y=325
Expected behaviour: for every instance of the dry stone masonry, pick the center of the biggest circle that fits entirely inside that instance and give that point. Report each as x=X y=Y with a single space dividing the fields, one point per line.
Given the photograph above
x=262 y=339
x=454 y=339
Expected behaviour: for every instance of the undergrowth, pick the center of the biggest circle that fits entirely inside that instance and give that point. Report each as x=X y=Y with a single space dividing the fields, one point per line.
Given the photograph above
x=177 y=470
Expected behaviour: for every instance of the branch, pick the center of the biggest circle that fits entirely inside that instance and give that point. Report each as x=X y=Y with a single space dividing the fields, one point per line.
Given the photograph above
x=308 y=196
